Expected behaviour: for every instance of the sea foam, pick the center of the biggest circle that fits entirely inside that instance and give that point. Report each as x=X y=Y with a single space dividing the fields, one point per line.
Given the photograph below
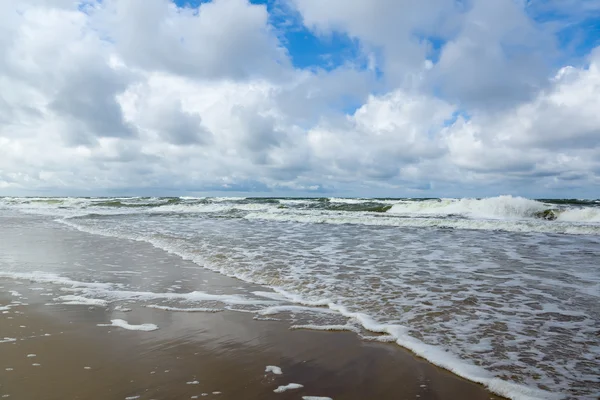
x=274 y=369
x=125 y=325
x=289 y=386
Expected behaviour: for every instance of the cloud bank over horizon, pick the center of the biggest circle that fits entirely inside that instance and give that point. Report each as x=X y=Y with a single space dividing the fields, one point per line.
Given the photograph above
x=376 y=98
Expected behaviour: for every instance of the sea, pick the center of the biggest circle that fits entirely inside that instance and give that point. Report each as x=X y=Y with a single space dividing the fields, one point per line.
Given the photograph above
x=503 y=291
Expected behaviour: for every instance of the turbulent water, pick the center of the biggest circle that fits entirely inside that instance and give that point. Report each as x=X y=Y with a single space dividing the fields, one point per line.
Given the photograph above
x=503 y=291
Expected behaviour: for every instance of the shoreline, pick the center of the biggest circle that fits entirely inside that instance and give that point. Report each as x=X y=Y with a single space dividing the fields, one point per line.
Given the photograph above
x=337 y=364
x=224 y=352
x=431 y=354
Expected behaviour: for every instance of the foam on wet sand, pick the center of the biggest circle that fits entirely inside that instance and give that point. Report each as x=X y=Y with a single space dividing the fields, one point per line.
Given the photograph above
x=316 y=398
x=274 y=369
x=289 y=386
x=125 y=325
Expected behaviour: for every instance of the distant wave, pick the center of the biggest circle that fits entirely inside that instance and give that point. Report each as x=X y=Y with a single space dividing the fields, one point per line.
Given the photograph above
x=572 y=216
x=501 y=207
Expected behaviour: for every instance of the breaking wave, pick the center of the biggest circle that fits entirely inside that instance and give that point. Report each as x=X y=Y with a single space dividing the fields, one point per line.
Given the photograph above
x=502 y=207
x=509 y=213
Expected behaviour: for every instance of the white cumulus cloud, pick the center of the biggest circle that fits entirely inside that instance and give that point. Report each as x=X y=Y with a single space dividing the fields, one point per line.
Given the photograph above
x=457 y=97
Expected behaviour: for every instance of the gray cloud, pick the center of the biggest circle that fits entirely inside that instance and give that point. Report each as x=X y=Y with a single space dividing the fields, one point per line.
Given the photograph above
x=87 y=98
x=74 y=81
x=499 y=57
x=178 y=126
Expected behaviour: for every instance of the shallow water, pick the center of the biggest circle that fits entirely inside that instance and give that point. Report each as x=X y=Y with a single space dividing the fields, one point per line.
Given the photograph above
x=484 y=288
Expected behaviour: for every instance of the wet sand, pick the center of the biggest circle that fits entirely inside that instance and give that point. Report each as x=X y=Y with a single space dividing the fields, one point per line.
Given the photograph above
x=225 y=352
x=191 y=354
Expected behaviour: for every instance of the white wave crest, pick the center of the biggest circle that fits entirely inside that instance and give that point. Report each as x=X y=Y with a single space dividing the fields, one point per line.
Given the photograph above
x=501 y=207
x=586 y=215
x=509 y=225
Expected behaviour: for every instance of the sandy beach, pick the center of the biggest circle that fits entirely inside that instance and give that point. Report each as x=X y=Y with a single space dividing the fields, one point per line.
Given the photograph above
x=52 y=350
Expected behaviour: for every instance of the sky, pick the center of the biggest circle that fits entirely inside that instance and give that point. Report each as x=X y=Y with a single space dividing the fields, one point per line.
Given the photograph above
x=354 y=98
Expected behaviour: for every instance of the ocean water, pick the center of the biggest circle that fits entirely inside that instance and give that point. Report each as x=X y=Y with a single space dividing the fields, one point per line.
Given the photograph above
x=503 y=291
